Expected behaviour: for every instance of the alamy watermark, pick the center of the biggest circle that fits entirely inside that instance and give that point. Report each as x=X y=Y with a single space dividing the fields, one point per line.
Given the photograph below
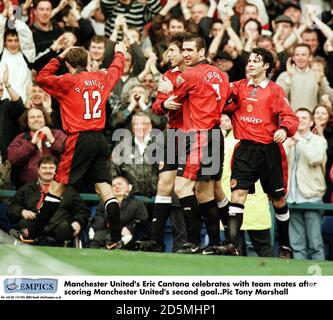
x=198 y=148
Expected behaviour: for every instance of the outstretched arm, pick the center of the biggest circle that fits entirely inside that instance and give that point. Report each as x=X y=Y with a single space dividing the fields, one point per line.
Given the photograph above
x=116 y=68
x=27 y=44
x=5 y=79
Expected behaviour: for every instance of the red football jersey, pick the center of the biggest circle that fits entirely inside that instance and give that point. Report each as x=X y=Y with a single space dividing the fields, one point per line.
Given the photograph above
x=260 y=111
x=204 y=88
x=175 y=116
x=82 y=96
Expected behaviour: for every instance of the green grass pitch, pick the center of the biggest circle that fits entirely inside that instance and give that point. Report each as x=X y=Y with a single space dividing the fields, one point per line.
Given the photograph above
x=29 y=260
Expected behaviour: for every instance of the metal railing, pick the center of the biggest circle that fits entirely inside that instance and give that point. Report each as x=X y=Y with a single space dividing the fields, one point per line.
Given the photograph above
x=89 y=197
x=92 y=197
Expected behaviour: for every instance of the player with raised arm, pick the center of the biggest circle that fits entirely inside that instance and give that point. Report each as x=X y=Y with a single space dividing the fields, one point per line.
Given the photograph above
x=82 y=96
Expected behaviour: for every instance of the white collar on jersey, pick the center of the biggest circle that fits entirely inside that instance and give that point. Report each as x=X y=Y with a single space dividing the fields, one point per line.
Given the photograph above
x=175 y=69
x=263 y=84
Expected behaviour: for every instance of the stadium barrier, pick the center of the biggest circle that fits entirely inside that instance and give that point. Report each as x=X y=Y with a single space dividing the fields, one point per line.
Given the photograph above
x=92 y=197
x=327 y=226
x=89 y=197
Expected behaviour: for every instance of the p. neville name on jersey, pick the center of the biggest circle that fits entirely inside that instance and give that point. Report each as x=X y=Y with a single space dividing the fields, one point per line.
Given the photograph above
x=83 y=94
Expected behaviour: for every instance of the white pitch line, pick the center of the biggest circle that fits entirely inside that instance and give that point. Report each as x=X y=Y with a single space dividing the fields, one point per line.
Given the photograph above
x=26 y=259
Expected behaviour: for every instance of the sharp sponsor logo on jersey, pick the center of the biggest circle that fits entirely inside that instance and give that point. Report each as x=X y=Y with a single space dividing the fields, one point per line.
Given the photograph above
x=249 y=108
x=250 y=119
x=179 y=80
x=213 y=75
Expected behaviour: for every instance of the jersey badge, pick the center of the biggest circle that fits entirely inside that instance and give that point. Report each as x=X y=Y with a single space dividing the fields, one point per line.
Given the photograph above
x=249 y=108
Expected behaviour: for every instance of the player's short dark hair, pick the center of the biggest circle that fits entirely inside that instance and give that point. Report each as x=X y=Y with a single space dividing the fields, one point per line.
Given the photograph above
x=200 y=42
x=177 y=39
x=47 y=159
x=77 y=57
x=267 y=57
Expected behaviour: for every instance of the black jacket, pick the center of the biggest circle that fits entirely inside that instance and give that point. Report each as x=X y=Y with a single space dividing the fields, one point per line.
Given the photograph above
x=10 y=111
x=132 y=212
x=133 y=216
x=72 y=207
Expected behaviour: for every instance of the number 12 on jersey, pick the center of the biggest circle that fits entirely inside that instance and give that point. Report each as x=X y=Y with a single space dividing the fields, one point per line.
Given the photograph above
x=96 y=111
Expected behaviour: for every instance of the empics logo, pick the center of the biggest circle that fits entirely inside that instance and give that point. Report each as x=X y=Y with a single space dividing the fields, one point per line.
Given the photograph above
x=25 y=285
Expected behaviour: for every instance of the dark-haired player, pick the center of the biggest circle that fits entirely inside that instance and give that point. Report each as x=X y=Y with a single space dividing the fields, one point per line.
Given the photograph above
x=167 y=167
x=262 y=119
x=202 y=89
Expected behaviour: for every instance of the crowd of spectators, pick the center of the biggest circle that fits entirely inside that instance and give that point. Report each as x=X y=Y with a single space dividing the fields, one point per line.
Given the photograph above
x=298 y=33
